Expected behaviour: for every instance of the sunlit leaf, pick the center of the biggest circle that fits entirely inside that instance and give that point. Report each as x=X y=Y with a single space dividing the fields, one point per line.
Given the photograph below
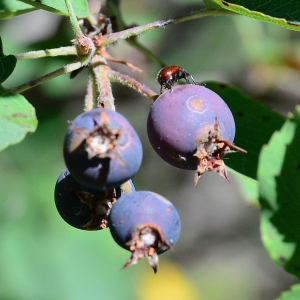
x=255 y=123
x=59 y=6
x=293 y=294
x=17 y=118
x=248 y=188
x=12 y=8
x=279 y=12
x=279 y=177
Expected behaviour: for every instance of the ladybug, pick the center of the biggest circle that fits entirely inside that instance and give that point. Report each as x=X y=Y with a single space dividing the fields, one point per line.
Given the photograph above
x=168 y=76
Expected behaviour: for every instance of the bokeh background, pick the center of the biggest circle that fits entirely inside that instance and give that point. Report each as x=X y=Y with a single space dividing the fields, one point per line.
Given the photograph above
x=219 y=254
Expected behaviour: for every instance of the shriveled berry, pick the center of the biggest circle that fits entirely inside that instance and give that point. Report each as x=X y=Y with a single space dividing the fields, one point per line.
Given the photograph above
x=86 y=208
x=191 y=127
x=146 y=224
x=101 y=149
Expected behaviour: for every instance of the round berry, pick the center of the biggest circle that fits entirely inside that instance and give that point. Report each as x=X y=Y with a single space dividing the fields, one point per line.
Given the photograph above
x=101 y=149
x=191 y=127
x=146 y=224
x=86 y=208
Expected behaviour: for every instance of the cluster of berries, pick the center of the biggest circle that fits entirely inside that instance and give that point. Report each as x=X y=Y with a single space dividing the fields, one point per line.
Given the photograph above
x=189 y=126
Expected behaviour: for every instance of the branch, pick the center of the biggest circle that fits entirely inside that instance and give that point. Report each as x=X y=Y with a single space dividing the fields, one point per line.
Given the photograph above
x=91 y=92
x=132 y=83
x=134 y=31
x=61 y=71
x=62 y=51
x=73 y=19
x=105 y=97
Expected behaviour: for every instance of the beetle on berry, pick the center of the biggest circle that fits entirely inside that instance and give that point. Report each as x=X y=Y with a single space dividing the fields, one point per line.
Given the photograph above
x=202 y=140
x=168 y=76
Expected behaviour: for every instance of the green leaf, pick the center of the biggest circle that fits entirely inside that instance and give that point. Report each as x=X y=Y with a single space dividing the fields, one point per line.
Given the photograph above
x=59 y=6
x=255 y=123
x=211 y=5
x=12 y=8
x=293 y=294
x=249 y=189
x=279 y=12
x=279 y=195
x=7 y=64
x=17 y=118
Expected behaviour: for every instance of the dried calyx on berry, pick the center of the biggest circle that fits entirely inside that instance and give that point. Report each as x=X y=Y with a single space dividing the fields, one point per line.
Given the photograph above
x=146 y=224
x=192 y=128
x=102 y=140
x=101 y=149
x=147 y=240
x=210 y=150
x=86 y=208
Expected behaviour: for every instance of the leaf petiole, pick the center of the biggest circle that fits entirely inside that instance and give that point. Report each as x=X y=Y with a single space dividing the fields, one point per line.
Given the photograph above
x=62 y=51
x=61 y=71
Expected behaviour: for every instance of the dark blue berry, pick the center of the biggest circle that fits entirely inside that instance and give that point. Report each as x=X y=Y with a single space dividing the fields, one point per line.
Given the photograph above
x=101 y=149
x=86 y=208
x=146 y=224
x=191 y=127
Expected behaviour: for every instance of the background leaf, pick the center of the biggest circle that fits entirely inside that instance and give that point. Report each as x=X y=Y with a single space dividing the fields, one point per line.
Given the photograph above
x=255 y=123
x=59 y=7
x=7 y=64
x=279 y=12
x=12 y=8
x=17 y=118
x=279 y=177
x=248 y=187
x=293 y=294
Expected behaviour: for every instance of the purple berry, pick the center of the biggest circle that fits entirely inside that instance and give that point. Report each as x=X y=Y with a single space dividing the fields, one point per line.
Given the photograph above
x=86 y=208
x=101 y=149
x=146 y=224
x=191 y=127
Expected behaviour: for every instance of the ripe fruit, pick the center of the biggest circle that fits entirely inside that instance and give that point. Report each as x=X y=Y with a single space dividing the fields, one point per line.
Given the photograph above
x=168 y=76
x=83 y=207
x=101 y=149
x=191 y=127
x=146 y=224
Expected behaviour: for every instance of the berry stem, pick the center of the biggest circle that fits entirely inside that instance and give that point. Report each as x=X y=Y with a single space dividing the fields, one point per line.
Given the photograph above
x=105 y=96
x=132 y=83
x=62 y=51
x=61 y=71
x=134 y=31
x=103 y=52
x=73 y=19
x=91 y=92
